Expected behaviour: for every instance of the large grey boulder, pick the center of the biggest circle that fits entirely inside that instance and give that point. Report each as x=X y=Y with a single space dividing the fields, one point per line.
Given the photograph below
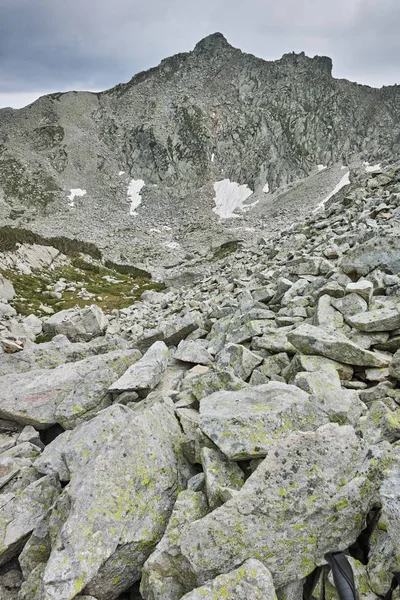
x=382 y=252
x=386 y=554
x=144 y=375
x=326 y=315
x=203 y=385
x=245 y=423
x=251 y=581
x=21 y=512
x=171 y=331
x=7 y=291
x=311 y=493
x=332 y=344
x=175 y=330
x=351 y=304
x=68 y=394
x=385 y=319
x=275 y=341
x=116 y=507
x=242 y=333
x=79 y=325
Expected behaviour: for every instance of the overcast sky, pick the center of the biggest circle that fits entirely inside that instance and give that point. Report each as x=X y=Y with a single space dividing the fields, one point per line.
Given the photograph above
x=59 y=45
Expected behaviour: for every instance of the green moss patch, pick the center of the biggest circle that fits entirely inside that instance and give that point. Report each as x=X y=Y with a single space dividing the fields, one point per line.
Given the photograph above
x=115 y=292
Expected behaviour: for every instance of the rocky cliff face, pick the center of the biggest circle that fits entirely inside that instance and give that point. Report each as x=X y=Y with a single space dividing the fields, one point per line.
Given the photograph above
x=134 y=168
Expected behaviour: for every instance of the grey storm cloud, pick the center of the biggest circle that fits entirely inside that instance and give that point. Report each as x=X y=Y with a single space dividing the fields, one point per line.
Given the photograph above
x=94 y=44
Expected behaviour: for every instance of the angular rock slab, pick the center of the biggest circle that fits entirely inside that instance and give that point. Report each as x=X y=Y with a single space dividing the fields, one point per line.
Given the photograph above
x=206 y=384
x=341 y=405
x=238 y=359
x=192 y=351
x=382 y=252
x=78 y=325
x=68 y=394
x=155 y=585
x=332 y=344
x=244 y=424
x=73 y=449
x=146 y=373
x=390 y=497
x=251 y=581
x=21 y=512
x=385 y=319
x=116 y=508
x=311 y=493
x=220 y=474
x=55 y=353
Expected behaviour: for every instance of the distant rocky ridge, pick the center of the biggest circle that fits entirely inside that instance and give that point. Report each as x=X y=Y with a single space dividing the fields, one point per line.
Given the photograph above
x=133 y=169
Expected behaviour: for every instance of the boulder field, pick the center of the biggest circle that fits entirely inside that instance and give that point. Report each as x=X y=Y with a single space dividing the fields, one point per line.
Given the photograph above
x=214 y=440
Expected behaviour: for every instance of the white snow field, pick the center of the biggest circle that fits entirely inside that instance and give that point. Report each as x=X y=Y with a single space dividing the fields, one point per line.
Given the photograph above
x=134 y=194
x=230 y=197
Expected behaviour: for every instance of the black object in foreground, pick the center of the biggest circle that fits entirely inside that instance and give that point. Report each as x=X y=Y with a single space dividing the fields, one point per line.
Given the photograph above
x=393 y=585
x=343 y=579
x=342 y=575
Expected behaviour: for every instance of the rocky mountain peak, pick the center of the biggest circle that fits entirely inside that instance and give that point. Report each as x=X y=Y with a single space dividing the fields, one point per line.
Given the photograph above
x=212 y=43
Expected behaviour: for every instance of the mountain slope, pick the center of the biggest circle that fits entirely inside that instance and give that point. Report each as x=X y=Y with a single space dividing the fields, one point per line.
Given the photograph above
x=75 y=163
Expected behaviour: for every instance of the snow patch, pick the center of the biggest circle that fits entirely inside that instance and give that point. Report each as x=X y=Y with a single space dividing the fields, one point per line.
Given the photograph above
x=212 y=157
x=321 y=167
x=344 y=181
x=121 y=173
x=230 y=196
x=134 y=194
x=266 y=188
x=373 y=168
x=75 y=193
